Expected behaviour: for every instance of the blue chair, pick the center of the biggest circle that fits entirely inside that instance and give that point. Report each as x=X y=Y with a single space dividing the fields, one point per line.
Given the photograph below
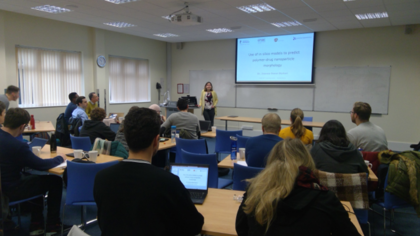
x=80 y=143
x=189 y=145
x=241 y=173
x=114 y=127
x=310 y=119
x=242 y=140
x=209 y=159
x=223 y=140
x=80 y=181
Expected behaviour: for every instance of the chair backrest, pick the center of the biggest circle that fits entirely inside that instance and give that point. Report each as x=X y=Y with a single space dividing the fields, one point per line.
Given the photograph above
x=391 y=201
x=80 y=180
x=242 y=140
x=209 y=159
x=223 y=140
x=114 y=127
x=81 y=143
x=347 y=187
x=189 y=145
x=241 y=173
x=310 y=119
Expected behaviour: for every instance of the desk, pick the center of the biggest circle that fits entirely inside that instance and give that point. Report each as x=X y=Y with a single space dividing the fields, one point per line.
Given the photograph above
x=166 y=145
x=258 y=120
x=41 y=126
x=228 y=163
x=219 y=211
x=209 y=134
x=46 y=154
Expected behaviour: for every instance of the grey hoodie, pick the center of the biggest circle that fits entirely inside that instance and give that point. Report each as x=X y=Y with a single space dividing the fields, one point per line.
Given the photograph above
x=336 y=159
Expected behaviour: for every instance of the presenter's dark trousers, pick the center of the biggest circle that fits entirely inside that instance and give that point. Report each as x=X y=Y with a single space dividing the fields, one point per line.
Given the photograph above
x=209 y=115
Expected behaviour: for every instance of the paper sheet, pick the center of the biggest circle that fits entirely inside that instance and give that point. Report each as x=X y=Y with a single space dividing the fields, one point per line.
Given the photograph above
x=242 y=163
x=62 y=165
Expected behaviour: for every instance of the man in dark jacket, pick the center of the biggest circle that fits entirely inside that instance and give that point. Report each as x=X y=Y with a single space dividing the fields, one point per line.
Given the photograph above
x=95 y=128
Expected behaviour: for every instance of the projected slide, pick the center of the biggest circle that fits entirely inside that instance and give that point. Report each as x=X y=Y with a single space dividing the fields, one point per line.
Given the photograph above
x=192 y=177
x=275 y=59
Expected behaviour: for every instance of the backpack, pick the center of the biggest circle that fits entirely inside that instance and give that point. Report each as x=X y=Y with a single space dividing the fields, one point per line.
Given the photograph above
x=75 y=123
x=62 y=131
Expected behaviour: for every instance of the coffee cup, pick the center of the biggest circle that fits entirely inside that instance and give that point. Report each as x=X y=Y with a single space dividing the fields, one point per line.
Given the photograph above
x=242 y=153
x=78 y=153
x=93 y=155
x=368 y=164
x=36 y=150
x=213 y=129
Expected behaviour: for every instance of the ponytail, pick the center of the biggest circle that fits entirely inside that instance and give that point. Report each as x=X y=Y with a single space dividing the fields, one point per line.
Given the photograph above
x=297 y=127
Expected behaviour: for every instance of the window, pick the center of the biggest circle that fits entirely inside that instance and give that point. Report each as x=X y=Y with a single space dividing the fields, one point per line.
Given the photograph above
x=46 y=77
x=129 y=80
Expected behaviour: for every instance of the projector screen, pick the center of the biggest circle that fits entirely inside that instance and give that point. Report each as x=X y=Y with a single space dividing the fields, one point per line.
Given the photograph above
x=286 y=59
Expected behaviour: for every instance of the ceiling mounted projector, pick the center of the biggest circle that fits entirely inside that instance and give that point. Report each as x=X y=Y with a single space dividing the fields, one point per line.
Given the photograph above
x=186 y=18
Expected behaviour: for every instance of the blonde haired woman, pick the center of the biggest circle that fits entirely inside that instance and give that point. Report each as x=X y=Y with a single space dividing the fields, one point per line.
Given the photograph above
x=296 y=130
x=286 y=198
x=208 y=102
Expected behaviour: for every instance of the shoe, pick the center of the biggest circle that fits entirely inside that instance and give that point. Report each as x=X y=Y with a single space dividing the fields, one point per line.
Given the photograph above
x=36 y=228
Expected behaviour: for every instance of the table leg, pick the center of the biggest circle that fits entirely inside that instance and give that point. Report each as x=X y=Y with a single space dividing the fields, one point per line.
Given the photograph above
x=226 y=125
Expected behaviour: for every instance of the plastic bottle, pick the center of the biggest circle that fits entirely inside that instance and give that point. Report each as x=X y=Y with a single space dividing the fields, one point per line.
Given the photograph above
x=32 y=122
x=233 y=145
x=53 y=144
x=173 y=133
x=360 y=150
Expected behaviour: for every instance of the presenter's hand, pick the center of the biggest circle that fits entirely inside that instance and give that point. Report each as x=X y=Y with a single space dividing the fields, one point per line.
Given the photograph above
x=212 y=106
x=198 y=105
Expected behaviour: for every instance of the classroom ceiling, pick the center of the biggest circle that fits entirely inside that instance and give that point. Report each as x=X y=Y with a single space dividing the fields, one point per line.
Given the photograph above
x=314 y=15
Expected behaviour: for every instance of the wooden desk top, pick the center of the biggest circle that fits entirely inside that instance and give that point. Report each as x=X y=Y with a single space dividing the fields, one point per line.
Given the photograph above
x=41 y=126
x=209 y=135
x=46 y=154
x=258 y=120
x=352 y=216
x=219 y=211
x=228 y=163
x=165 y=145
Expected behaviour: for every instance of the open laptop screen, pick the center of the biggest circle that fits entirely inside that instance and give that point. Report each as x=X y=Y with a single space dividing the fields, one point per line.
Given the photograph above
x=192 y=176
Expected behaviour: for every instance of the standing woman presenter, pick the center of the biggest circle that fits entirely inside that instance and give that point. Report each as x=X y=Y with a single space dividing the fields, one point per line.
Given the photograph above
x=208 y=102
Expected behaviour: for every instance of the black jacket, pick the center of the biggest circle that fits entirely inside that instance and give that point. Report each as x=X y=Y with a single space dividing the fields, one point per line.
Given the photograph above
x=331 y=158
x=304 y=212
x=97 y=129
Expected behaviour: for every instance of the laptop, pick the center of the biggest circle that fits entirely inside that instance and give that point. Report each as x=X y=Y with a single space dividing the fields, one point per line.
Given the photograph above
x=195 y=178
x=38 y=142
x=205 y=126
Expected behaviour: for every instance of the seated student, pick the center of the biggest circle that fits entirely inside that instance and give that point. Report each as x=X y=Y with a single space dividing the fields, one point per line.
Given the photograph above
x=2 y=113
x=296 y=130
x=150 y=201
x=258 y=148
x=156 y=107
x=287 y=199
x=14 y=156
x=93 y=103
x=183 y=120
x=366 y=135
x=70 y=107
x=79 y=112
x=12 y=94
x=95 y=128
x=334 y=153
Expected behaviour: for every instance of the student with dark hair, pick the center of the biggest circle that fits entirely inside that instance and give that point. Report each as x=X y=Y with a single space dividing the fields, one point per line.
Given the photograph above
x=96 y=128
x=15 y=156
x=70 y=107
x=93 y=103
x=366 y=135
x=2 y=113
x=150 y=200
x=12 y=94
x=296 y=130
x=79 y=112
x=334 y=153
x=183 y=120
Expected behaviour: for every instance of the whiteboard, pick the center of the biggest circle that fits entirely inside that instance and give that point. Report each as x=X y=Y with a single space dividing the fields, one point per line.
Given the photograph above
x=223 y=84
x=338 y=88
x=275 y=96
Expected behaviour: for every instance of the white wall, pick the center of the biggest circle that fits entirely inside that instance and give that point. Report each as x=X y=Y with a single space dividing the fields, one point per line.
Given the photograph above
x=358 y=47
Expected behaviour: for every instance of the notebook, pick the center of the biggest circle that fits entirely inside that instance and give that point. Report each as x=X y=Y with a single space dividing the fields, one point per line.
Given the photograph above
x=205 y=126
x=38 y=142
x=195 y=178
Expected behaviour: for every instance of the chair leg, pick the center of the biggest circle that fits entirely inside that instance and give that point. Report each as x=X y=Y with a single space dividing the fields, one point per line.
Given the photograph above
x=19 y=221
x=391 y=221
x=83 y=218
x=384 y=221
x=62 y=219
x=369 y=228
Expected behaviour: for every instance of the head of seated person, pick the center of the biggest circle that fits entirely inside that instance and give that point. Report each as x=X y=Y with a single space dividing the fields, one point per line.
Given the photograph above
x=15 y=121
x=2 y=113
x=93 y=97
x=73 y=97
x=182 y=104
x=98 y=114
x=81 y=102
x=271 y=124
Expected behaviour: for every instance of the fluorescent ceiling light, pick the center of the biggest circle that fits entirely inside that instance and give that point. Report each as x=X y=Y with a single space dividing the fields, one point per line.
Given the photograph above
x=120 y=24
x=166 y=17
x=220 y=30
x=256 y=8
x=370 y=16
x=166 y=35
x=286 y=24
x=120 y=1
x=348 y=0
x=51 y=9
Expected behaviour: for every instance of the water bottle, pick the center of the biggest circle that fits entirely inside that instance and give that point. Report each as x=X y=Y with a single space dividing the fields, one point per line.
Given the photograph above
x=233 y=145
x=173 y=133
x=32 y=122
x=360 y=151
x=53 y=144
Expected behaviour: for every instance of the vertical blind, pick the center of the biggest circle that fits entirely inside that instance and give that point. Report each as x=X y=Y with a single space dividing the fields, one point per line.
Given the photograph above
x=128 y=80
x=46 y=77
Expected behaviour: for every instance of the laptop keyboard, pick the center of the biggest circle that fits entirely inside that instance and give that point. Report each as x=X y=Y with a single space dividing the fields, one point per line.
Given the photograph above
x=197 y=195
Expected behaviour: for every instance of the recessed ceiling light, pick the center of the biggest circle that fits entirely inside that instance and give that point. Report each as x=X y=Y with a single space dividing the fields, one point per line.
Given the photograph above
x=220 y=30
x=256 y=8
x=286 y=24
x=120 y=1
x=166 y=35
x=120 y=24
x=370 y=16
x=166 y=17
x=51 y=9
